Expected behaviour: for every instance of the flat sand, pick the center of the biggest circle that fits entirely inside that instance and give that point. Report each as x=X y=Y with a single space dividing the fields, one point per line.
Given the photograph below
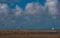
x=29 y=34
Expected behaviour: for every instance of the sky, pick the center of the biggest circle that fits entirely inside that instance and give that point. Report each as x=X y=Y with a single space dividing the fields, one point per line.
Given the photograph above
x=30 y=14
x=22 y=3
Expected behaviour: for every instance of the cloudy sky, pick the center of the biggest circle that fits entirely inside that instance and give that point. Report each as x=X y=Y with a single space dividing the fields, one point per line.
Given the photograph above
x=30 y=14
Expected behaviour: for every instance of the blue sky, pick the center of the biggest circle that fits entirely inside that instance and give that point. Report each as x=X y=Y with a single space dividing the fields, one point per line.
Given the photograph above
x=23 y=5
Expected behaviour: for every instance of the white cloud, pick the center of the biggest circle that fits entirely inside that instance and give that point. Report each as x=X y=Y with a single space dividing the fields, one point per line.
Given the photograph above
x=4 y=9
x=52 y=8
x=4 y=12
x=36 y=11
x=18 y=11
x=32 y=8
x=51 y=0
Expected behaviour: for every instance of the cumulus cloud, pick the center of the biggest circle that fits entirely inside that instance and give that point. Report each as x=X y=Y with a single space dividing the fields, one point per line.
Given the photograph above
x=4 y=9
x=4 y=12
x=36 y=11
x=32 y=8
x=18 y=15
x=10 y=16
x=18 y=11
x=52 y=8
